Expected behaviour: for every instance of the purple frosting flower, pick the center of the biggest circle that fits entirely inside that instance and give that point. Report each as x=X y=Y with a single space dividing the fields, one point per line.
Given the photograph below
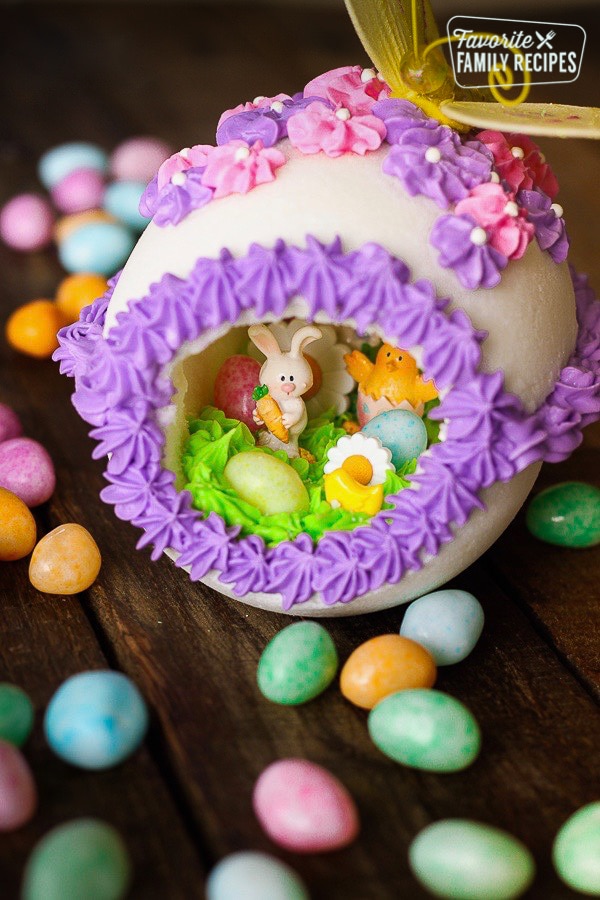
x=550 y=229
x=401 y=115
x=268 y=124
x=463 y=247
x=177 y=198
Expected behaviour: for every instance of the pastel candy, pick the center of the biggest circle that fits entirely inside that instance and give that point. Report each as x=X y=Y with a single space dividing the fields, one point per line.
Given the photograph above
x=566 y=514
x=80 y=190
x=18 y=795
x=303 y=807
x=27 y=470
x=465 y=860
x=96 y=719
x=17 y=527
x=401 y=431
x=235 y=381
x=66 y=225
x=26 y=222
x=383 y=665
x=84 y=858
x=576 y=851
x=448 y=623
x=298 y=664
x=58 y=162
x=139 y=158
x=249 y=875
x=267 y=483
x=16 y=714
x=100 y=247
x=10 y=424
x=425 y=729
x=66 y=561
x=122 y=200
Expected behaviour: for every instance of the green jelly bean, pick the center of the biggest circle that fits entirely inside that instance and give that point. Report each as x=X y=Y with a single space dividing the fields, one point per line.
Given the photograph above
x=566 y=514
x=576 y=851
x=464 y=860
x=16 y=714
x=297 y=664
x=84 y=858
x=425 y=729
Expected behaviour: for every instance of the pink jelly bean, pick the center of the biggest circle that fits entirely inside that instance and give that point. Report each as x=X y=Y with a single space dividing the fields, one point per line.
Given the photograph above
x=80 y=190
x=18 y=794
x=139 y=158
x=303 y=807
x=235 y=381
x=10 y=426
x=26 y=222
x=27 y=470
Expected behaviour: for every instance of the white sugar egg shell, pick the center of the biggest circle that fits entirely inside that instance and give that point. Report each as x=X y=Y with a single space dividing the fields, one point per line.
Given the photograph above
x=530 y=320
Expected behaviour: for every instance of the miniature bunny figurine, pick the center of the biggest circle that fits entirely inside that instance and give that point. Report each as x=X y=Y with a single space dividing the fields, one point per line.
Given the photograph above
x=287 y=376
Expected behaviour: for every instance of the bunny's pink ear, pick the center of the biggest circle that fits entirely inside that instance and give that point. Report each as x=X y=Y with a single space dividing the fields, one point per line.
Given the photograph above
x=264 y=339
x=303 y=337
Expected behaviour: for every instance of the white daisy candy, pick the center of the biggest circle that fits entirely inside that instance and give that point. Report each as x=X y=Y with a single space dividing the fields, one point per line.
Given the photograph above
x=364 y=458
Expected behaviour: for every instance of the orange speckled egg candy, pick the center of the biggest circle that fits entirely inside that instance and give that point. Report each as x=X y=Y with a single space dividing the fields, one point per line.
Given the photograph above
x=32 y=328
x=66 y=561
x=384 y=665
x=17 y=527
x=77 y=291
x=68 y=224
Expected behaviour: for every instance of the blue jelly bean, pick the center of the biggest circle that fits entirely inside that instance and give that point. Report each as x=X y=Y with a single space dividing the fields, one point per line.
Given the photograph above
x=401 y=431
x=254 y=876
x=101 y=247
x=58 y=162
x=96 y=719
x=122 y=200
x=447 y=623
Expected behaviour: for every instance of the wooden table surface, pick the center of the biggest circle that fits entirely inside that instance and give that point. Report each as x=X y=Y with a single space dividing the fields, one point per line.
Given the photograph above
x=106 y=72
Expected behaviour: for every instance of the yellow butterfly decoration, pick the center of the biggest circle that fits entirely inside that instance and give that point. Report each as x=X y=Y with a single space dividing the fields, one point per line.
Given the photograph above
x=403 y=42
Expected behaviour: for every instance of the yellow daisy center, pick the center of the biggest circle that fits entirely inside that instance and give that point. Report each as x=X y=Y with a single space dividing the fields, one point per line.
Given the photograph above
x=359 y=468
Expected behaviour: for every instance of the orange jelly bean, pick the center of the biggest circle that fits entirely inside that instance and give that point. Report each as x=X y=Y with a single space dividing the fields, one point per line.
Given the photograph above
x=384 y=665
x=66 y=561
x=77 y=291
x=32 y=328
x=17 y=527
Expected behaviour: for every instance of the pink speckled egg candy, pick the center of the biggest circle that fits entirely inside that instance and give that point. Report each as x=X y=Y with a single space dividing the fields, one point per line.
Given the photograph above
x=26 y=222
x=235 y=381
x=80 y=190
x=304 y=808
x=27 y=470
x=10 y=425
x=18 y=795
x=139 y=158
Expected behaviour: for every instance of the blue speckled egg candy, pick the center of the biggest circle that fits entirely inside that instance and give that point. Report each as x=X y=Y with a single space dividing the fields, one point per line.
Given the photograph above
x=60 y=161
x=122 y=200
x=96 y=719
x=101 y=248
x=447 y=623
x=249 y=875
x=401 y=431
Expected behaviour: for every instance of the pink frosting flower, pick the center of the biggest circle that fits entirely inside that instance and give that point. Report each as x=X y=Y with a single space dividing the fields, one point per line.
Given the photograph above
x=334 y=131
x=520 y=162
x=237 y=167
x=257 y=103
x=189 y=157
x=504 y=222
x=352 y=87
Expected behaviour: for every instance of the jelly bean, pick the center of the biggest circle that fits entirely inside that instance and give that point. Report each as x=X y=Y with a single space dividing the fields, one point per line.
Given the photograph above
x=249 y=875
x=401 y=431
x=78 y=191
x=77 y=291
x=99 y=247
x=303 y=807
x=66 y=225
x=82 y=858
x=18 y=795
x=447 y=623
x=96 y=719
x=566 y=514
x=122 y=200
x=10 y=425
x=66 y=561
x=27 y=470
x=16 y=714
x=425 y=729
x=267 y=483
x=298 y=664
x=384 y=665
x=17 y=527
x=26 y=222
x=576 y=851
x=58 y=162
x=235 y=381
x=139 y=158
x=32 y=328
x=465 y=860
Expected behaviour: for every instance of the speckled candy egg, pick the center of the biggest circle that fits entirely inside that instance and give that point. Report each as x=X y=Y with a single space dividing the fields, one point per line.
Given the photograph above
x=10 y=424
x=99 y=247
x=17 y=527
x=566 y=514
x=383 y=665
x=138 y=158
x=298 y=664
x=81 y=189
x=66 y=561
x=122 y=200
x=401 y=431
x=26 y=222
x=18 y=794
x=16 y=714
x=27 y=470
x=267 y=483
x=576 y=850
x=60 y=161
x=249 y=875
x=448 y=623
x=235 y=381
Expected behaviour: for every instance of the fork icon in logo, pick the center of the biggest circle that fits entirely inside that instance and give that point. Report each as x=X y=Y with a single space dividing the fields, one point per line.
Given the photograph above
x=545 y=41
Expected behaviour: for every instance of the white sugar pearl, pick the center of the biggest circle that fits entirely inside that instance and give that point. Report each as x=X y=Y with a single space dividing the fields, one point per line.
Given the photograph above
x=185 y=152
x=511 y=209
x=368 y=75
x=343 y=114
x=258 y=99
x=277 y=106
x=242 y=153
x=495 y=178
x=178 y=179
x=433 y=155
x=518 y=152
x=478 y=236
x=558 y=210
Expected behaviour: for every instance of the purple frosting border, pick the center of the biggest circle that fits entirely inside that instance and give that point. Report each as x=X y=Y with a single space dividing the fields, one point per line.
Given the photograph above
x=120 y=387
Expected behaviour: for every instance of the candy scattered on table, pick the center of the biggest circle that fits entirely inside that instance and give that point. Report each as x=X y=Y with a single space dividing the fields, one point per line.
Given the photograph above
x=77 y=291
x=100 y=247
x=249 y=875
x=448 y=623
x=95 y=720
x=465 y=860
x=139 y=158
x=122 y=200
x=267 y=483
x=26 y=222
x=401 y=431
x=66 y=561
x=425 y=729
x=16 y=714
x=66 y=225
x=18 y=794
x=576 y=851
x=384 y=665
x=32 y=328
x=235 y=381
x=303 y=807
x=84 y=858
x=60 y=161
x=10 y=424
x=298 y=664
x=27 y=470
x=17 y=527
x=78 y=191
x=566 y=514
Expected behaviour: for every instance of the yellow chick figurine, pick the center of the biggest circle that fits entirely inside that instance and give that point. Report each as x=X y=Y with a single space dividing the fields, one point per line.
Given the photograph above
x=391 y=382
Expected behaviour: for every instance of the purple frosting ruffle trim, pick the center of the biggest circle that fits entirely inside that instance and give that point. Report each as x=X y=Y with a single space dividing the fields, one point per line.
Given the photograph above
x=120 y=388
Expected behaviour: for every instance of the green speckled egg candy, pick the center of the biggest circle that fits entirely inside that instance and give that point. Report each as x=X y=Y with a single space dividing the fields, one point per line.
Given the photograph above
x=298 y=664
x=576 y=851
x=16 y=714
x=566 y=514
